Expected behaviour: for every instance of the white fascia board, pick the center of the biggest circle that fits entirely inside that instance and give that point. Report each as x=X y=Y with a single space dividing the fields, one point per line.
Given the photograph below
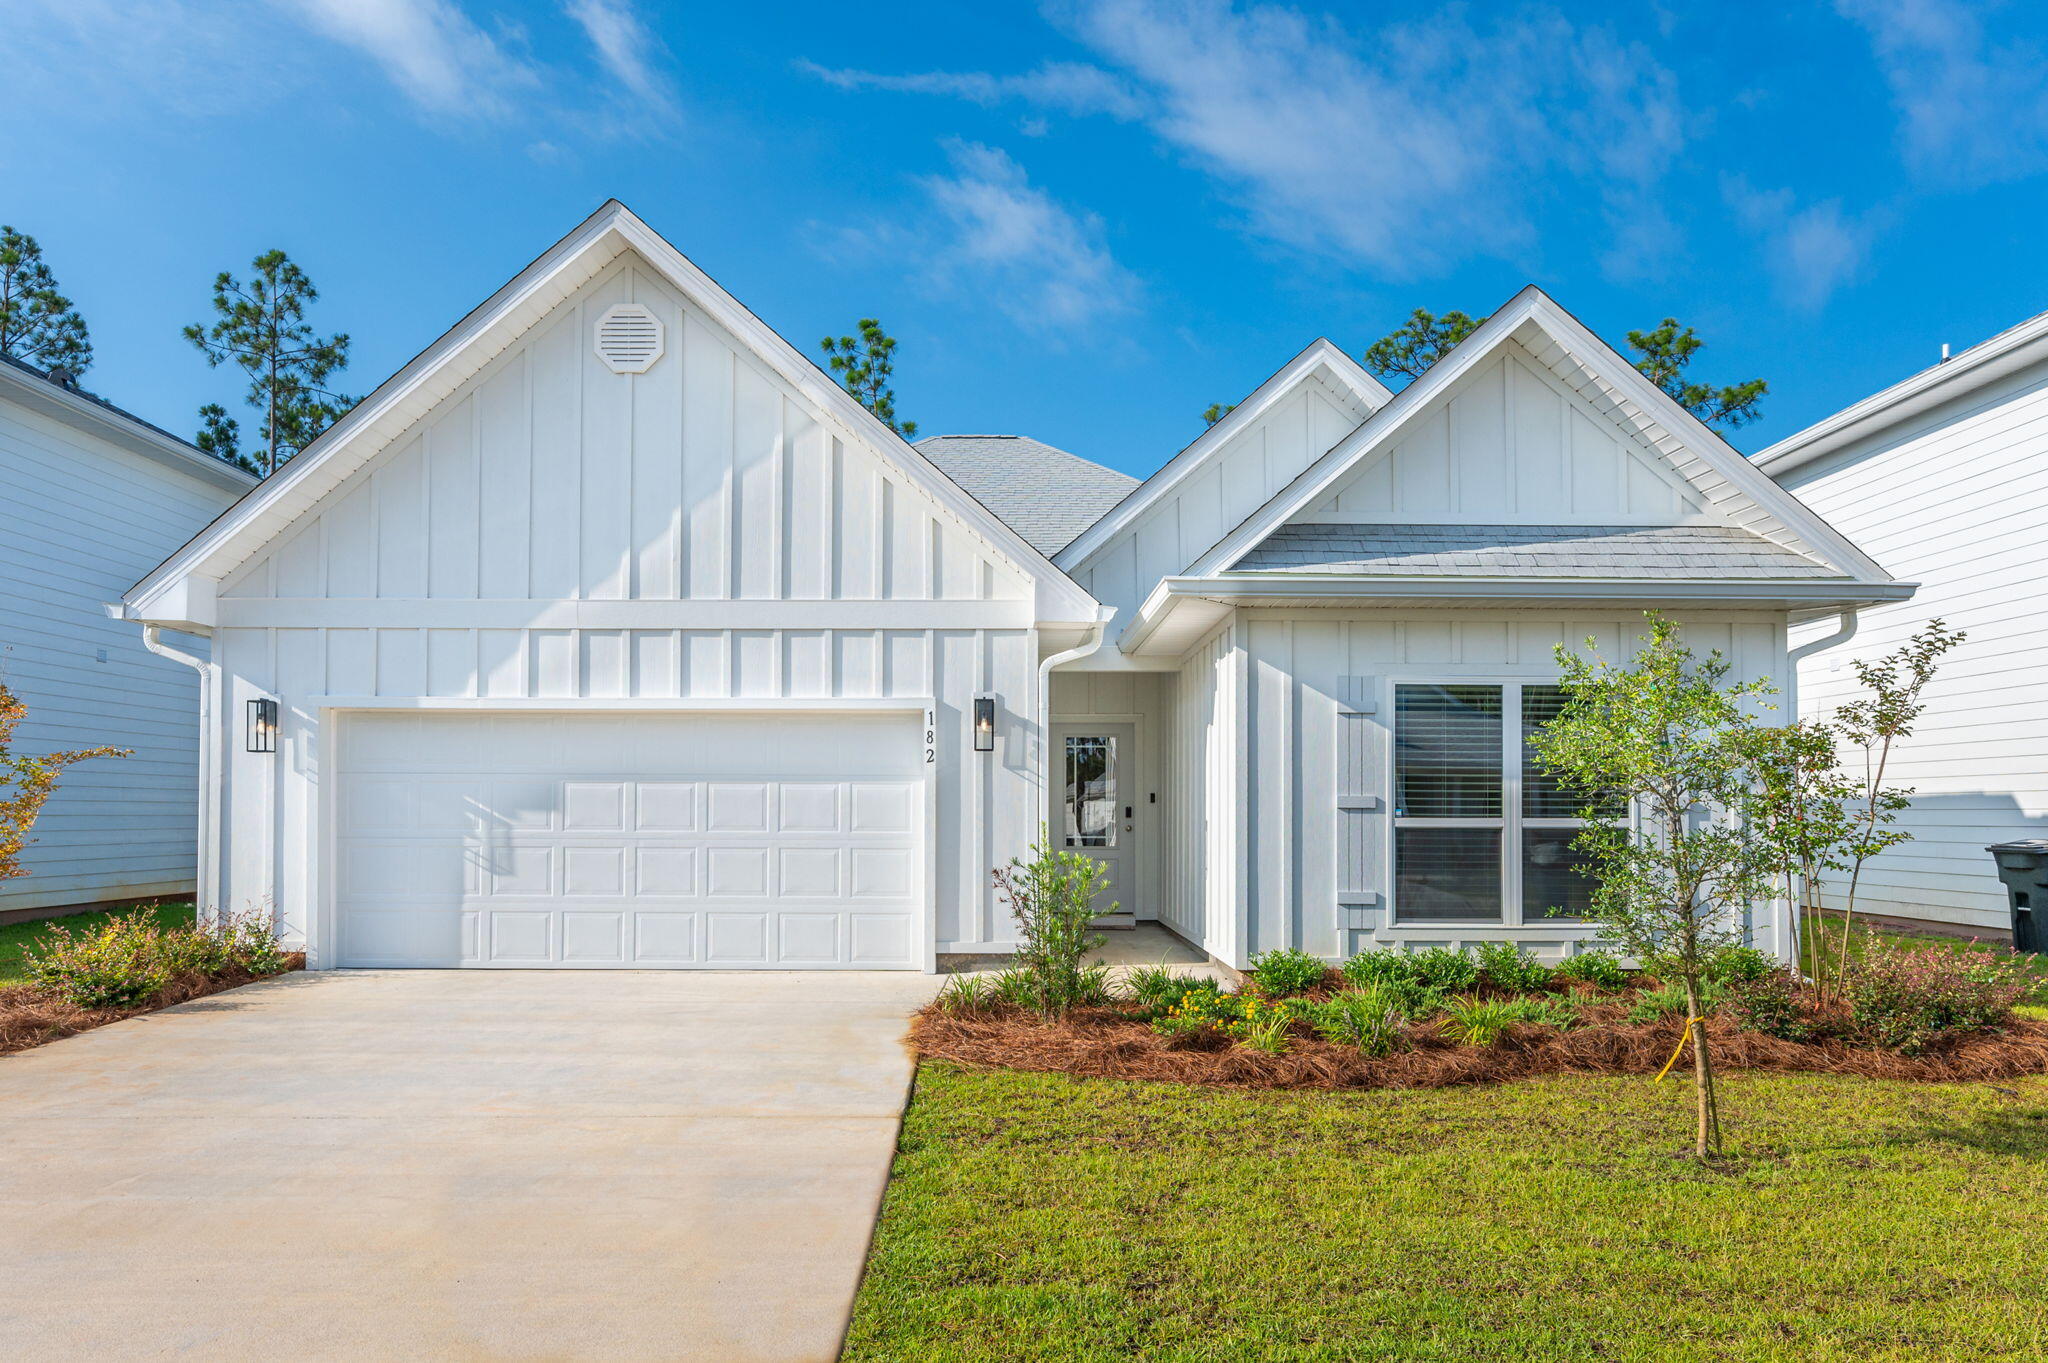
x=1982 y=364
x=610 y=231
x=1803 y=594
x=119 y=428
x=1321 y=353
x=1533 y=305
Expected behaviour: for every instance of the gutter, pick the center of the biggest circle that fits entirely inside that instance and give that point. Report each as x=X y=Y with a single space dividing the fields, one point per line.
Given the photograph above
x=209 y=788
x=1099 y=635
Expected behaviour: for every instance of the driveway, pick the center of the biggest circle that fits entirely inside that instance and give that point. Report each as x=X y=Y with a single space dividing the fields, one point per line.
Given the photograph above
x=455 y=1165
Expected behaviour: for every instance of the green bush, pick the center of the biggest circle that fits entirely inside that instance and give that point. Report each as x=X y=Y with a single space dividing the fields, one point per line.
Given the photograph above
x=1668 y=1000
x=1772 y=1004
x=1601 y=969
x=967 y=994
x=128 y=961
x=1260 y=1023
x=1369 y=1018
x=1152 y=985
x=1052 y=896
x=1508 y=968
x=1388 y=964
x=1285 y=972
x=1443 y=968
x=1483 y=1022
x=1739 y=965
x=1908 y=998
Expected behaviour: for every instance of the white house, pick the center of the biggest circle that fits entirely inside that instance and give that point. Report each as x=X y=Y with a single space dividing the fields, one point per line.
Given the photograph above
x=612 y=633
x=91 y=496
x=1944 y=477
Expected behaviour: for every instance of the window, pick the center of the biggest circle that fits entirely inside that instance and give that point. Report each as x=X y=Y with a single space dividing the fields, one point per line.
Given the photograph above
x=1091 y=791
x=1481 y=833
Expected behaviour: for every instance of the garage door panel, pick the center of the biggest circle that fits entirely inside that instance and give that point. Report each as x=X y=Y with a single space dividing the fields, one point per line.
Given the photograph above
x=603 y=862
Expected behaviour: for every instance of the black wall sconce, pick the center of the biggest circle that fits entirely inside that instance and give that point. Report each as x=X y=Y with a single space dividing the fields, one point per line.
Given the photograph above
x=984 y=723
x=261 y=735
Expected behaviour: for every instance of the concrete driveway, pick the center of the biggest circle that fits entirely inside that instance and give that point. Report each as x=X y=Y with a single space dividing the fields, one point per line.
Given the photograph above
x=455 y=1165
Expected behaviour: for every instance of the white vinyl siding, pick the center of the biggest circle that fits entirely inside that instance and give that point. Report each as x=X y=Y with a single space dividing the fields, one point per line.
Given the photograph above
x=1954 y=500
x=80 y=520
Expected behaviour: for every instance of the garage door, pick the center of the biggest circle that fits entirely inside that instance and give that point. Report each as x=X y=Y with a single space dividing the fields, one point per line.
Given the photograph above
x=629 y=840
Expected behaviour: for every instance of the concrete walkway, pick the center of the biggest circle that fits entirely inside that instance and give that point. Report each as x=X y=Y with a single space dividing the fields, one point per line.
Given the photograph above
x=430 y=1165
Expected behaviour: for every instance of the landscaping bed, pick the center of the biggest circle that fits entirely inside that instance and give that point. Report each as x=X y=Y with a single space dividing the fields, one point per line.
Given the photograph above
x=89 y=970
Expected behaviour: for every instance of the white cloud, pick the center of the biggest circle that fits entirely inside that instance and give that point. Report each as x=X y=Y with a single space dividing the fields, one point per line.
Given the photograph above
x=625 y=46
x=1972 y=110
x=1812 y=251
x=430 y=50
x=1399 y=147
x=1046 y=266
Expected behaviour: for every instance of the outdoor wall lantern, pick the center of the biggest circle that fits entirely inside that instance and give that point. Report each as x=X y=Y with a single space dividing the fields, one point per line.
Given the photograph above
x=984 y=723
x=262 y=730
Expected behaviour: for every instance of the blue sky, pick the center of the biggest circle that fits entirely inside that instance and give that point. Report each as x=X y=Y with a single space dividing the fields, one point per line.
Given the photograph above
x=1084 y=221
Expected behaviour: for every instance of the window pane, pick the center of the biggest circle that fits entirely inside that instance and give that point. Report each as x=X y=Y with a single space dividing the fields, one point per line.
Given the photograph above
x=1543 y=795
x=1447 y=875
x=1447 y=762
x=1091 y=792
x=1556 y=884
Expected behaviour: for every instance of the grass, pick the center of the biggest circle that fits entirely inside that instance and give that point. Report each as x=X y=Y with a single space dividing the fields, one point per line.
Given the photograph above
x=1044 y=1217
x=17 y=938
x=1861 y=938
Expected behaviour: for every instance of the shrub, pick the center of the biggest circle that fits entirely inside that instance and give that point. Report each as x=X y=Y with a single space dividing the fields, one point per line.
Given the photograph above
x=1388 y=964
x=1052 y=896
x=968 y=994
x=1474 y=1021
x=1601 y=969
x=1443 y=968
x=1285 y=972
x=1551 y=1011
x=1368 y=1018
x=1908 y=998
x=1262 y=1024
x=128 y=961
x=1508 y=968
x=1668 y=1000
x=1202 y=1004
x=1739 y=965
x=1771 y=1004
x=1152 y=985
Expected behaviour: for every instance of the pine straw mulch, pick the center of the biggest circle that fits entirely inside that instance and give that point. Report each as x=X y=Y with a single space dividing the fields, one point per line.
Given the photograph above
x=1115 y=1043
x=29 y=1017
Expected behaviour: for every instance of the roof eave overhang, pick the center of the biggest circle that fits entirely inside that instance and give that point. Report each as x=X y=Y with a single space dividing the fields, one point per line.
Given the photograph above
x=1209 y=597
x=117 y=428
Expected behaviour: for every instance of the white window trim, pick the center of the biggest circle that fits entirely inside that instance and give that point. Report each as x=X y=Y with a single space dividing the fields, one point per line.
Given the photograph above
x=1510 y=823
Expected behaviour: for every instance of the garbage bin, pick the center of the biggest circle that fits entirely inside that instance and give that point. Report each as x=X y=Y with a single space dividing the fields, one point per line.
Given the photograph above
x=2023 y=866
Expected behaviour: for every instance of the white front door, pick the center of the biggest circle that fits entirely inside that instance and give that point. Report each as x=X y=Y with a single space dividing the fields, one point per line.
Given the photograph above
x=1097 y=802
x=638 y=841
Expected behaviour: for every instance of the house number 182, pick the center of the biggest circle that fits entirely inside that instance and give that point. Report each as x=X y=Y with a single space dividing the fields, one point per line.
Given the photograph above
x=931 y=736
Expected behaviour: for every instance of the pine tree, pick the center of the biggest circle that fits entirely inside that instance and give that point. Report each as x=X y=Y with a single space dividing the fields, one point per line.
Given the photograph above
x=864 y=366
x=1418 y=343
x=261 y=328
x=1665 y=352
x=38 y=325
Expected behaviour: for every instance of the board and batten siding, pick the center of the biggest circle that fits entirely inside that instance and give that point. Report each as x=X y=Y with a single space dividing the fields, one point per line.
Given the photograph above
x=1233 y=482
x=1285 y=718
x=1954 y=499
x=557 y=533
x=81 y=519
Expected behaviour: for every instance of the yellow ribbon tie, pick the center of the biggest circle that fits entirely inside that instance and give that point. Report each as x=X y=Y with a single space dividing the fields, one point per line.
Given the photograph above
x=1683 y=1036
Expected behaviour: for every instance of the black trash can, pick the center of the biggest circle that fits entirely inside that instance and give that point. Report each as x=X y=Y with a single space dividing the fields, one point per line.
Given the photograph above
x=2023 y=866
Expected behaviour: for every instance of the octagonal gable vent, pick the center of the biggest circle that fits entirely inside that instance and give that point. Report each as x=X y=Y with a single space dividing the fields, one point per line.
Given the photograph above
x=629 y=338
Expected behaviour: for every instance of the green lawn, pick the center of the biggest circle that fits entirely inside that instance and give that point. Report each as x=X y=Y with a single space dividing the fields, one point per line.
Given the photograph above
x=1046 y=1218
x=17 y=938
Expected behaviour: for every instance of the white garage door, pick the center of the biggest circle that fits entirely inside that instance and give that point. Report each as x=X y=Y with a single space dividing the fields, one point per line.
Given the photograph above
x=629 y=840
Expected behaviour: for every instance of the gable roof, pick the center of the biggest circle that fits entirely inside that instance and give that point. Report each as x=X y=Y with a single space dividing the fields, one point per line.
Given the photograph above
x=1557 y=551
x=1321 y=362
x=1045 y=494
x=1592 y=368
x=494 y=325
x=1984 y=363
x=36 y=390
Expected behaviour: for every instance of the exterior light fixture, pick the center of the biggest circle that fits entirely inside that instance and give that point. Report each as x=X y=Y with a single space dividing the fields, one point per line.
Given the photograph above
x=984 y=723
x=261 y=735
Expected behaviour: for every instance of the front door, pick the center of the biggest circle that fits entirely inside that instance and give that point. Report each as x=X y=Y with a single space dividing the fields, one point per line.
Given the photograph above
x=1098 y=804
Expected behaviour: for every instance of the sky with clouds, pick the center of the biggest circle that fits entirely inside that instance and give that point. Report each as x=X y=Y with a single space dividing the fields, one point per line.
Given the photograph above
x=1085 y=220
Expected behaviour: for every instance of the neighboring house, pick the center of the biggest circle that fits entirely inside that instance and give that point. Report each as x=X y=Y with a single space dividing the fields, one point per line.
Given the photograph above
x=90 y=496
x=610 y=632
x=1944 y=477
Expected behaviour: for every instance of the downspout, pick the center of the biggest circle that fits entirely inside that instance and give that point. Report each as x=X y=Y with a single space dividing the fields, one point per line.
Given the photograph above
x=1845 y=630
x=1099 y=636
x=209 y=789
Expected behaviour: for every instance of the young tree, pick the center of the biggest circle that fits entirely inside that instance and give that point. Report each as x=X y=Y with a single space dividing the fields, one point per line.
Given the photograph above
x=1216 y=411
x=1874 y=724
x=864 y=366
x=1418 y=343
x=1802 y=805
x=38 y=325
x=261 y=328
x=27 y=782
x=1668 y=733
x=1664 y=353
x=1052 y=895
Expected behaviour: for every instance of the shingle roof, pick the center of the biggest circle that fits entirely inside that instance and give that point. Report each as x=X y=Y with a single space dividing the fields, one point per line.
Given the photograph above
x=1044 y=494
x=1632 y=551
